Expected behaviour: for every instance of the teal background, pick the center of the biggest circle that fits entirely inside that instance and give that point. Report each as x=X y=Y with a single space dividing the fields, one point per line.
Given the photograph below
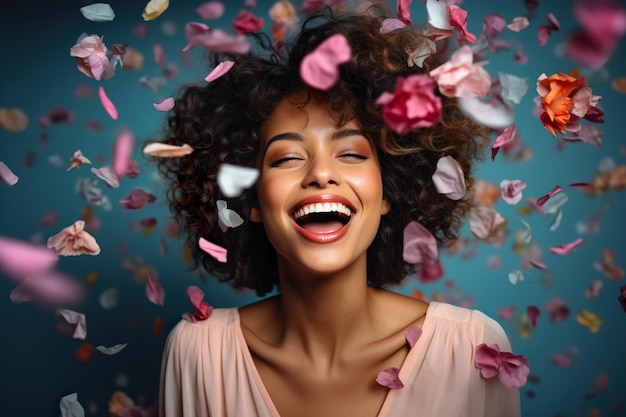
x=37 y=363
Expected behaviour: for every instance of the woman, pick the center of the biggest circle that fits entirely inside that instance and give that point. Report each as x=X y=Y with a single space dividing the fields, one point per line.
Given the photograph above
x=324 y=226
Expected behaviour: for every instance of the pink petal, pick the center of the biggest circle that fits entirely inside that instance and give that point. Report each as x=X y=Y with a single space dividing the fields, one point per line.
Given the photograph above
x=420 y=246
x=403 y=7
x=486 y=359
x=561 y=360
x=7 y=175
x=154 y=291
x=194 y=32
x=538 y=264
x=107 y=104
x=511 y=191
x=391 y=24
x=107 y=175
x=212 y=249
x=19 y=259
x=514 y=370
x=158 y=53
x=593 y=290
x=219 y=70
x=137 y=199
x=166 y=104
x=122 y=152
x=507 y=313
x=458 y=20
x=449 y=178
x=557 y=309
x=49 y=288
x=74 y=240
x=221 y=42
x=567 y=248
x=202 y=309
x=76 y=319
x=389 y=378
x=320 y=68
x=485 y=222
x=542 y=200
x=533 y=313
x=413 y=333
x=210 y=10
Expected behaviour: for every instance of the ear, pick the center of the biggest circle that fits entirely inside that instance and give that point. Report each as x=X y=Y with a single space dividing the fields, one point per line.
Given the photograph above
x=386 y=208
x=255 y=215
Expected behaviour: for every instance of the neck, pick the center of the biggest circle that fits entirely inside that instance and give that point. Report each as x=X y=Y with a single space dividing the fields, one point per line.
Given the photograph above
x=327 y=315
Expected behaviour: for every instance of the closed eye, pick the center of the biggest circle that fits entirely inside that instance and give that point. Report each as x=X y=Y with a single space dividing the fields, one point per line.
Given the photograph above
x=284 y=161
x=353 y=156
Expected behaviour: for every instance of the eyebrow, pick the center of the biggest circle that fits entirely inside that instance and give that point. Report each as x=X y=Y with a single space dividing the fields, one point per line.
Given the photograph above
x=339 y=134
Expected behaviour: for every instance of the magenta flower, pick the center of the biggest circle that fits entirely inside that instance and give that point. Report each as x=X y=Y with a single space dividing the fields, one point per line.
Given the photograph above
x=202 y=309
x=512 y=370
x=246 y=22
x=412 y=105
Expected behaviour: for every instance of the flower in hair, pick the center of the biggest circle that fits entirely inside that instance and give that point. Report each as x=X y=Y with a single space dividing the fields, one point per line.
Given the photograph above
x=512 y=370
x=412 y=105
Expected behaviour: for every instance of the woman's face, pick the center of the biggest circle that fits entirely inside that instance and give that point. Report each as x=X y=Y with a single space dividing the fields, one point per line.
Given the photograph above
x=320 y=188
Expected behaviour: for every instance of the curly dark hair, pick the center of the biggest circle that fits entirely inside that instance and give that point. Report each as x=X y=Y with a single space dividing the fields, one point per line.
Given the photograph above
x=221 y=120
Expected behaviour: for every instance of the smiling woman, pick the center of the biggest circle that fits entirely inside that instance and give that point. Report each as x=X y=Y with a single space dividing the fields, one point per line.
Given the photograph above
x=339 y=180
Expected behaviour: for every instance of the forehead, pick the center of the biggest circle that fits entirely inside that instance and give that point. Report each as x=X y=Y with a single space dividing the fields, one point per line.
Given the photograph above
x=301 y=110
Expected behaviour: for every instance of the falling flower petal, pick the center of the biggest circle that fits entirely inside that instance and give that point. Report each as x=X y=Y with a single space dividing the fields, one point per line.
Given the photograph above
x=77 y=160
x=594 y=289
x=533 y=313
x=107 y=103
x=589 y=320
x=234 y=179
x=154 y=9
x=49 y=288
x=320 y=68
x=212 y=249
x=567 y=248
x=164 y=150
x=413 y=333
x=485 y=222
x=389 y=378
x=542 y=200
x=137 y=199
x=13 y=120
x=98 y=12
x=461 y=77
x=154 y=291
x=74 y=240
x=562 y=361
x=449 y=178
x=420 y=246
x=511 y=191
x=546 y=30
x=557 y=308
x=107 y=175
x=513 y=88
x=219 y=70
x=507 y=135
x=153 y=83
x=227 y=217
x=122 y=152
x=108 y=298
x=202 y=309
x=7 y=175
x=210 y=10
x=70 y=407
x=458 y=20
x=518 y=24
x=166 y=104
x=622 y=297
x=516 y=276
x=112 y=350
x=507 y=313
x=494 y=114
x=391 y=24
x=76 y=319
x=512 y=370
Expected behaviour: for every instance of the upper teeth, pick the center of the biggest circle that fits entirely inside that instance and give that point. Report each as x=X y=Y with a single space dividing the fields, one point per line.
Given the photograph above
x=322 y=208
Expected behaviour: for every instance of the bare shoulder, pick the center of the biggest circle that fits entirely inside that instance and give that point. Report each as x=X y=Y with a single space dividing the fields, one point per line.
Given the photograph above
x=259 y=318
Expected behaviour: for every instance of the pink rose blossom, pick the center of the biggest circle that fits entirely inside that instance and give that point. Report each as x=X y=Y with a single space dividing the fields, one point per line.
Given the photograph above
x=412 y=105
x=460 y=76
x=93 y=58
x=511 y=191
x=246 y=22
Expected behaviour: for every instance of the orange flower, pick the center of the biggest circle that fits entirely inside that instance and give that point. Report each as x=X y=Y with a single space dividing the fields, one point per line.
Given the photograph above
x=556 y=91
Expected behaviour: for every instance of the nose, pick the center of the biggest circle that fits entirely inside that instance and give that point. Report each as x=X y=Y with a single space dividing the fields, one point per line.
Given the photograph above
x=321 y=173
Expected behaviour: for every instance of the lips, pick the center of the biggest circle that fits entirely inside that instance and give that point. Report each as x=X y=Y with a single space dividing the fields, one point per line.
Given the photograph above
x=323 y=218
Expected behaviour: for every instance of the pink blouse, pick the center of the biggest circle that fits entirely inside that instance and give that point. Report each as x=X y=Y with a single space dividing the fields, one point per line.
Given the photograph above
x=208 y=370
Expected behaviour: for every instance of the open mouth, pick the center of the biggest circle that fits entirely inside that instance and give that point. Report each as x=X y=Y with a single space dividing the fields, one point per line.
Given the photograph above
x=323 y=217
